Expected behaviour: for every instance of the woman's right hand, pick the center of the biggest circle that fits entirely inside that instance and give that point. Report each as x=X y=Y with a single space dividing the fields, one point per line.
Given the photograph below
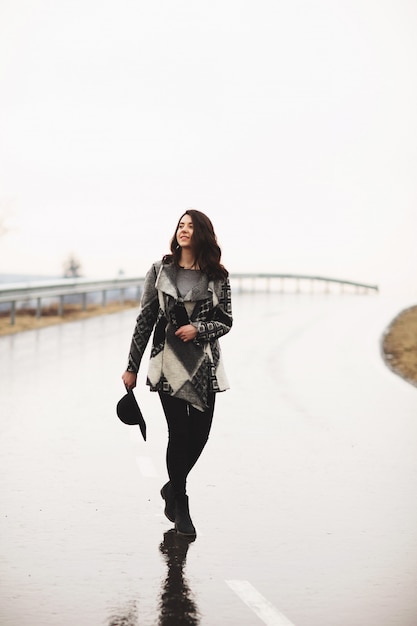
x=129 y=379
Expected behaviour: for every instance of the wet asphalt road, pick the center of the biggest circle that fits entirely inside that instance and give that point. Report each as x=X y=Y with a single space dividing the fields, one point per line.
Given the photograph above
x=304 y=499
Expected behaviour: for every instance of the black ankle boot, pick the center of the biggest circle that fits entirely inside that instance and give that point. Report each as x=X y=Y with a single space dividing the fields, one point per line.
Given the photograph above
x=168 y=495
x=183 y=523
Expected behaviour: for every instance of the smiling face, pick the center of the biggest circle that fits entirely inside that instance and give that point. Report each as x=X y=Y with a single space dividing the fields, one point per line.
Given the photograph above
x=185 y=231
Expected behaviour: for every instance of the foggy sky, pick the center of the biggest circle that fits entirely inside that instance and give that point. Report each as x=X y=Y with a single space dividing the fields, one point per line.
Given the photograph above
x=291 y=124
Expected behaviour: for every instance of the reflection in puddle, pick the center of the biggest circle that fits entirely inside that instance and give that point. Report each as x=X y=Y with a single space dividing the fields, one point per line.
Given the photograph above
x=128 y=617
x=177 y=606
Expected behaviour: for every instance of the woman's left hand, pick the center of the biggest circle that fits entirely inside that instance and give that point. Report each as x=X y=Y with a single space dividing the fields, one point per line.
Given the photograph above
x=186 y=333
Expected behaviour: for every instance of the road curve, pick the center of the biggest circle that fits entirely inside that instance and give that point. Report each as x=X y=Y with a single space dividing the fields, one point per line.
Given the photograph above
x=304 y=499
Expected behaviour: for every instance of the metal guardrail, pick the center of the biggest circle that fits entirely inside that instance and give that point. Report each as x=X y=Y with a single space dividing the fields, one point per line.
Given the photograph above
x=269 y=280
x=60 y=289
x=13 y=293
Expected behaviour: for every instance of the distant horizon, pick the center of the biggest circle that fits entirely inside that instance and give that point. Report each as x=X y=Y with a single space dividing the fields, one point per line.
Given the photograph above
x=142 y=275
x=28 y=277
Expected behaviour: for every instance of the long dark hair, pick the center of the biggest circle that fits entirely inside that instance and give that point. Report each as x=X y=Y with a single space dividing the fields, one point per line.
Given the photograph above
x=204 y=241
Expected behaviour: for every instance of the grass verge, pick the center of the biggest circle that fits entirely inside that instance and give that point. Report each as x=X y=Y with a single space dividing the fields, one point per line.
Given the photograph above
x=26 y=318
x=399 y=345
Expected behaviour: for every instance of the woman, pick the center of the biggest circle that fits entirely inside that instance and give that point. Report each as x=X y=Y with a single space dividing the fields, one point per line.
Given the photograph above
x=186 y=297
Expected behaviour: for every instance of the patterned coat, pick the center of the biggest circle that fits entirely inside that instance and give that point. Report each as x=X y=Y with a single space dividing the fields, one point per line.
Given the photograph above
x=186 y=370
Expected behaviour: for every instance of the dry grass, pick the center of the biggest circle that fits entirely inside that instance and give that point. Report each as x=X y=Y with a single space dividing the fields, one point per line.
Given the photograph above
x=399 y=345
x=26 y=318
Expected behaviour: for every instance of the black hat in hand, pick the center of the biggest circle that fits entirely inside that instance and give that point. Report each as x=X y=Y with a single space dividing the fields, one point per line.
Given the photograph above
x=129 y=412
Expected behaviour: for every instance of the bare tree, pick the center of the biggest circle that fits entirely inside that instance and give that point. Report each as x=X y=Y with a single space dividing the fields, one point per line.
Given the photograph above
x=72 y=267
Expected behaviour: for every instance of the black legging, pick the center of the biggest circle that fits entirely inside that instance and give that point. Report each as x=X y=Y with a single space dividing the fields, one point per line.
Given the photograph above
x=188 y=432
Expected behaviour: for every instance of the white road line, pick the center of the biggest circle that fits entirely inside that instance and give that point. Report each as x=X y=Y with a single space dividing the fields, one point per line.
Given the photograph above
x=146 y=467
x=259 y=605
